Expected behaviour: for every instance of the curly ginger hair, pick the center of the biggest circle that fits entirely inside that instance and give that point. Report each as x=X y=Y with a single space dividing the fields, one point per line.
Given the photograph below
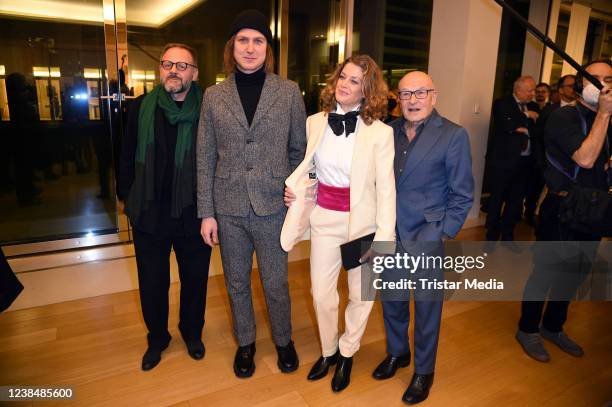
x=373 y=87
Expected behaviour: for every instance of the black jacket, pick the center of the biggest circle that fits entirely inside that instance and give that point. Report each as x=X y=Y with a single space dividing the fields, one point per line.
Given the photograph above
x=507 y=144
x=157 y=217
x=538 y=133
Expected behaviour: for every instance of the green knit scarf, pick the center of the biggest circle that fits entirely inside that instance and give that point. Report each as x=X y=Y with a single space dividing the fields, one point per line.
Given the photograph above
x=142 y=192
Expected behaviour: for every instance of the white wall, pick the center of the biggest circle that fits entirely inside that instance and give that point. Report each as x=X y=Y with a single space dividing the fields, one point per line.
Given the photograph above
x=576 y=35
x=534 y=49
x=462 y=62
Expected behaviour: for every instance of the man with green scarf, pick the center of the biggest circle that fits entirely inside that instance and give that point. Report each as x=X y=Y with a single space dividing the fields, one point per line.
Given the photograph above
x=158 y=186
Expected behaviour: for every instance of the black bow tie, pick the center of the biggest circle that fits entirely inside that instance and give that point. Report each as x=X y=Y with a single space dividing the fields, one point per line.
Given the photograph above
x=336 y=120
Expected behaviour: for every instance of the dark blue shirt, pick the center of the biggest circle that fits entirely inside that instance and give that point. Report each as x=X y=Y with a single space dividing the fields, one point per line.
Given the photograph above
x=403 y=147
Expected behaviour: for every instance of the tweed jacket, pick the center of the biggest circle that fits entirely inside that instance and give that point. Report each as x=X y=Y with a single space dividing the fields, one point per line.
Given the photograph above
x=240 y=166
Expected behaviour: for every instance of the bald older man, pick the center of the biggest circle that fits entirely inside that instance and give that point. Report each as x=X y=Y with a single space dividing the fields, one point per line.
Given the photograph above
x=435 y=191
x=511 y=158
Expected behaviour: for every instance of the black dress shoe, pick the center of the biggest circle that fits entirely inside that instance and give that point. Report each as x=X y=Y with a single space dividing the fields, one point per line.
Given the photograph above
x=319 y=370
x=387 y=368
x=342 y=376
x=287 y=358
x=418 y=390
x=151 y=358
x=195 y=349
x=244 y=365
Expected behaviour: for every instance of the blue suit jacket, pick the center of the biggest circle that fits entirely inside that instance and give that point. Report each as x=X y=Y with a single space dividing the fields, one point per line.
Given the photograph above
x=435 y=190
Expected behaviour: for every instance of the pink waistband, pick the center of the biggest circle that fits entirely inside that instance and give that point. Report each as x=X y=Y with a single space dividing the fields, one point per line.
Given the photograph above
x=334 y=198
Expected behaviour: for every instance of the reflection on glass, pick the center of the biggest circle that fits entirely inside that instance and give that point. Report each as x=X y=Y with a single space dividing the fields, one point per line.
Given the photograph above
x=560 y=41
x=314 y=38
x=597 y=44
x=143 y=81
x=55 y=149
x=202 y=24
x=395 y=33
x=93 y=77
x=511 y=49
x=48 y=91
x=4 y=109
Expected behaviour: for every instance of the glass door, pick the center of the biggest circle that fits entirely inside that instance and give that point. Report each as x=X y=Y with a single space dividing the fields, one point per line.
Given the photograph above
x=202 y=24
x=60 y=125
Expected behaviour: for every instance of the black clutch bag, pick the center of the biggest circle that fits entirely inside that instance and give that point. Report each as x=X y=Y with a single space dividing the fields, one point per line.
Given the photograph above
x=352 y=251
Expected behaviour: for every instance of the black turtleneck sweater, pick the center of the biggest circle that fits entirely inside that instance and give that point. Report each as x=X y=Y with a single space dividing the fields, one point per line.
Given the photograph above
x=249 y=88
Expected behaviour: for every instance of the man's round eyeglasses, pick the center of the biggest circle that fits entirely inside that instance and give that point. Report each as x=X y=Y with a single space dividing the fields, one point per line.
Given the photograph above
x=180 y=66
x=419 y=93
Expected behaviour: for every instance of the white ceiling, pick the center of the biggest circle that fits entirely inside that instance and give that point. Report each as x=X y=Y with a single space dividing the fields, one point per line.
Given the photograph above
x=148 y=13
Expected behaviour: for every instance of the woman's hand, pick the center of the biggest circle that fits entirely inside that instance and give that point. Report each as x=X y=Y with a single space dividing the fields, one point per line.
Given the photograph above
x=289 y=197
x=369 y=256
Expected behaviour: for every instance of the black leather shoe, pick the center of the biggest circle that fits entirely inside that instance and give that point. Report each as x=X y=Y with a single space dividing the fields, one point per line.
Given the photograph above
x=319 y=370
x=151 y=358
x=244 y=365
x=342 y=376
x=287 y=358
x=196 y=349
x=387 y=368
x=418 y=390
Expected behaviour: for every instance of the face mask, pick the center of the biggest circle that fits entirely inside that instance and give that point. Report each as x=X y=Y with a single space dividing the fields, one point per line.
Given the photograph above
x=590 y=95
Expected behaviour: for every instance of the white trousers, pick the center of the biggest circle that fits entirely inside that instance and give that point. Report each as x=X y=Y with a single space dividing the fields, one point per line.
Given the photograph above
x=329 y=229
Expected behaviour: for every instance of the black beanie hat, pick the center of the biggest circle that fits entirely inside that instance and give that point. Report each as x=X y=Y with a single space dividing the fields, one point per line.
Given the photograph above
x=252 y=19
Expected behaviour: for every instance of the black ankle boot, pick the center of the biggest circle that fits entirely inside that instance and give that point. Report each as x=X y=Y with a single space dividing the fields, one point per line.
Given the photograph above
x=342 y=376
x=287 y=358
x=152 y=357
x=244 y=365
x=195 y=349
x=319 y=370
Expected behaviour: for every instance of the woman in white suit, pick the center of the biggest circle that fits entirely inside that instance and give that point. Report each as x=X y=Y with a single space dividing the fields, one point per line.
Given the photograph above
x=348 y=167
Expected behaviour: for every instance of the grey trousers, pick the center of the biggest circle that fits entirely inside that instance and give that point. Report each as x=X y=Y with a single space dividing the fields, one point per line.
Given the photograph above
x=238 y=237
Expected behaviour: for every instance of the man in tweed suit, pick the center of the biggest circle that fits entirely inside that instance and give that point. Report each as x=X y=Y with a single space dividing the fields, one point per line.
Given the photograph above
x=250 y=138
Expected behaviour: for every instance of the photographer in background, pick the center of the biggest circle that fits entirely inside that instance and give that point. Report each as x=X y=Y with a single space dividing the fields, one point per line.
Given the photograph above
x=577 y=143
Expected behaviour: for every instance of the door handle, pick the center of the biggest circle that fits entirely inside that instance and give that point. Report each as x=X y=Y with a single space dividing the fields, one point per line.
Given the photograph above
x=115 y=97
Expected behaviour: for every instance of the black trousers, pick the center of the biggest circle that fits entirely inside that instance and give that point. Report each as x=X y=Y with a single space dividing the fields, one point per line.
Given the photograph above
x=153 y=260
x=506 y=201
x=533 y=189
x=554 y=279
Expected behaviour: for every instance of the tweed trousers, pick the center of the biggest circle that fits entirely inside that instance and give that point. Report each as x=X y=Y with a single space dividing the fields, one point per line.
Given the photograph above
x=239 y=237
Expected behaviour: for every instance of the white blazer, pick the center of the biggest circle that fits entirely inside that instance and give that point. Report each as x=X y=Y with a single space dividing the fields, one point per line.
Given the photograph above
x=372 y=184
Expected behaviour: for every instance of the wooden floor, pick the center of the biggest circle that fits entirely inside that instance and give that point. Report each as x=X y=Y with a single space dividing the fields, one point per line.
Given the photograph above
x=95 y=346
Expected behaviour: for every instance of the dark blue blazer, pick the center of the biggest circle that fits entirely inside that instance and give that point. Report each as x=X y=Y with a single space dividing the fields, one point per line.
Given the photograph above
x=435 y=191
